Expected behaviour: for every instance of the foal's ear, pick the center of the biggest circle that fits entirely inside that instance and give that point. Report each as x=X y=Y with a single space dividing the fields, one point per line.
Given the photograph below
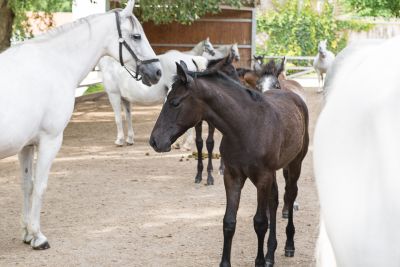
x=181 y=71
x=128 y=10
x=281 y=67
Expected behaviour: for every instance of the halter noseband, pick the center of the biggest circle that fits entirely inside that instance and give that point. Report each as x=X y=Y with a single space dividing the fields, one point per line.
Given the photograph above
x=122 y=42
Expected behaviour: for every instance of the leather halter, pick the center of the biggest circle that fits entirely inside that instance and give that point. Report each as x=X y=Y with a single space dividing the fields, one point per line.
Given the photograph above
x=122 y=42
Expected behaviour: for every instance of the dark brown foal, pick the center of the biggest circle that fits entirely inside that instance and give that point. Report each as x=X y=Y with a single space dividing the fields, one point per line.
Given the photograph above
x=224 y=65
x=262 y=133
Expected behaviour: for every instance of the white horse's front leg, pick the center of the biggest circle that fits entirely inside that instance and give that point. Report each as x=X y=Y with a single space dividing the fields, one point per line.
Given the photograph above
x=26 y=163
x=47 y=151
x=115 y=101
x=319 y=90
x=128 y=118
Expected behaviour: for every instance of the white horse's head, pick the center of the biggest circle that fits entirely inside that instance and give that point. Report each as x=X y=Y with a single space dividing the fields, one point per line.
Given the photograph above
x=208 y=47
x=235 y=52
x=322 y=48
x=132 y=48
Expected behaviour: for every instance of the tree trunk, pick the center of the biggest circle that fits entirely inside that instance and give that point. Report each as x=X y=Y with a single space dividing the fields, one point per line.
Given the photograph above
x=6 y=22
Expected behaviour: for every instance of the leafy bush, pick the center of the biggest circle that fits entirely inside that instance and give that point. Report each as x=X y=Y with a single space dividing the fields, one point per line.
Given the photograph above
x=295 y=30
x=374 y=8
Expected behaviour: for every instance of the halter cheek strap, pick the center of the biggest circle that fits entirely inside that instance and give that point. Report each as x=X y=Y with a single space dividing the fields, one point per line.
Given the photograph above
x=122 y=42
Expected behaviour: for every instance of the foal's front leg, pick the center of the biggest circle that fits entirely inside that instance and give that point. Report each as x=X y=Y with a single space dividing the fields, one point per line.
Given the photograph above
x=199 y=146
x=26 y=163
x=233 y=187
x=47 y=150
x=273 y=206
x=210 y=148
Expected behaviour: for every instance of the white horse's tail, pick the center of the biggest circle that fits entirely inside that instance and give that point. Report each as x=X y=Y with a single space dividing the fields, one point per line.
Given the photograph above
x=324 y=253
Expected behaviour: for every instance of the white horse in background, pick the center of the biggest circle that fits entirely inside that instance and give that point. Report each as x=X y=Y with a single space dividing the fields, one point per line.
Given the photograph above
x=223 y=51
x=322 y=62
x=121 y=88
x=37 y=94
x=356 y=161
x=204 y=46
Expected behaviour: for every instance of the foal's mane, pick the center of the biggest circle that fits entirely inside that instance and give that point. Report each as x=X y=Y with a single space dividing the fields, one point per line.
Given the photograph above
x=224 y=79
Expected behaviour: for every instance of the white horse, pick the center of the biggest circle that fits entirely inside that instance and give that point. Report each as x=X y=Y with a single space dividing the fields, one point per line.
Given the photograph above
x=223 y=51
x=204 y=46
x=322 y=62
x=359 y=49
x=37 y=94
x=356 y=161
x=121 y=88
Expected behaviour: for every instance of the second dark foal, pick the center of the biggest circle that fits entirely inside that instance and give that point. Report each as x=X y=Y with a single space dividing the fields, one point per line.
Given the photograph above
x=262 y=133
x=224 y=65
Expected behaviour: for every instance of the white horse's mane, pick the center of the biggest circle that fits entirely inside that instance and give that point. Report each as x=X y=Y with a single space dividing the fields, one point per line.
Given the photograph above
x=55 y=32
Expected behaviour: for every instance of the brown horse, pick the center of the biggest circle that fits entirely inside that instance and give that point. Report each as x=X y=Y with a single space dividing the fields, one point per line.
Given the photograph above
x=261 y=134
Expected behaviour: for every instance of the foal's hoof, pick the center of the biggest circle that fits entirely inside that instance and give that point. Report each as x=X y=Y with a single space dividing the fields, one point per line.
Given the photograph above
x=197 y=180
x=43 y=246
x=269 y=263
x=285 y=214
x=289 y=252
x=210 y=180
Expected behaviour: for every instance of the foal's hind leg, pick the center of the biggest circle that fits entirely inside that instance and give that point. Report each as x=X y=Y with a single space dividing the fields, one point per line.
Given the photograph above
x=128 y=118
x=210 y=147
x=199 y=146
x=294 y=170
x=47 y=150
x=285 y=209
x=260 y=220
x=26 y=163
x=273 y=202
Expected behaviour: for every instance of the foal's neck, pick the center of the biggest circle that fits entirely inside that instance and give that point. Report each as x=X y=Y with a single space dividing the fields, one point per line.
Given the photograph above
x=228 y=109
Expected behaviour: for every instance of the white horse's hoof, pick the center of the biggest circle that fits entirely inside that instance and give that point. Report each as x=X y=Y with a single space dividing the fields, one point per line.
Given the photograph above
x=320 y=90
x=40 y=243
x=26 y=237
x=119 y=142
x=129 y=141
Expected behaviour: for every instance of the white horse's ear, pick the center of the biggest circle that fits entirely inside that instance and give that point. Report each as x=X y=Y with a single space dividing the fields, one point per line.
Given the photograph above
x=128 y=10
x=208 y=39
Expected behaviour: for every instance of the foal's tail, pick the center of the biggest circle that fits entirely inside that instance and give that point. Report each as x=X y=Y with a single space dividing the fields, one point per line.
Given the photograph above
x=323 y=252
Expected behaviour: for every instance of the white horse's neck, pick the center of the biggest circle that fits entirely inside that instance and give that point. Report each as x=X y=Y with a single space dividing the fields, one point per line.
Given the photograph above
x=198 y=49
x=85 y=42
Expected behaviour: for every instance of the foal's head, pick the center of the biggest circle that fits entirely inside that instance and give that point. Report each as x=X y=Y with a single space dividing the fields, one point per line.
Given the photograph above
x=224 y=65
x=180 y=111
x=268 y=76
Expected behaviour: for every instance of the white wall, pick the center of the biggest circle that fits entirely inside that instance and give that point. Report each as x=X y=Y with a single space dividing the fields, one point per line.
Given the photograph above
x=83 y=8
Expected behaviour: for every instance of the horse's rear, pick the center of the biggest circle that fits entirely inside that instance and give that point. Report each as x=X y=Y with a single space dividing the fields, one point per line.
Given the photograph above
x=356 y=160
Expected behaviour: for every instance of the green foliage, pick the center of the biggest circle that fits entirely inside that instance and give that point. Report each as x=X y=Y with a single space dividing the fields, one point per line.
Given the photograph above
x=95 y=88
x=183 y=11
x=374 y=8
x=295 y=30
x=41 y=9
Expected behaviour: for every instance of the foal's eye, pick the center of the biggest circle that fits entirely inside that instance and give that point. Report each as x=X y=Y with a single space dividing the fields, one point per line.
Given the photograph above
x=136 y=37
x=175 y=103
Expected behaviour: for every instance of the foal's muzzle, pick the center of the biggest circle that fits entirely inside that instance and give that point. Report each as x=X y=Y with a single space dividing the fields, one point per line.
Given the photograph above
x=159 y=146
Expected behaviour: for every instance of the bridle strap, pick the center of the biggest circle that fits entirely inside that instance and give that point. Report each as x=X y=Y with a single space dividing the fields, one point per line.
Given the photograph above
x=122 y=42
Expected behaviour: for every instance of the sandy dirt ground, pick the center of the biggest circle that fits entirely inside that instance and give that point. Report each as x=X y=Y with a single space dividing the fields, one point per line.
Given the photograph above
x=129 y=206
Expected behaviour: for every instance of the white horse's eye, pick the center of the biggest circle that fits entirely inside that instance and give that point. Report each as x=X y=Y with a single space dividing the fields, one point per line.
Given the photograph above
x=136 y=36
